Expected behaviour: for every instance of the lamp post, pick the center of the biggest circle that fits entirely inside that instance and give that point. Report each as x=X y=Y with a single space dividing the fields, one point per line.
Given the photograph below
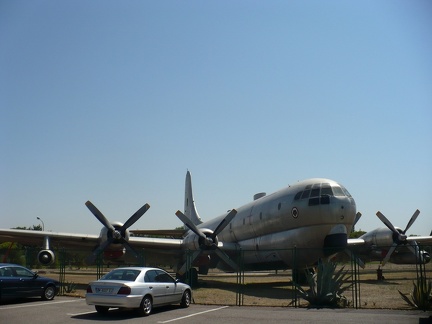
x=43 y=226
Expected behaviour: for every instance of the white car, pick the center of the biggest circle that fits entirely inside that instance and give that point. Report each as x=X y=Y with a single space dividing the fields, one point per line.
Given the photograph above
x=141 y=288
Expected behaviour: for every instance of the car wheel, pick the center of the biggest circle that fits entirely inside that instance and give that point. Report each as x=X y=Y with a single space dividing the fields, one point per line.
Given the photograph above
x=48 y=293
x=146 y=306
x=186 y=299
x=101 y=309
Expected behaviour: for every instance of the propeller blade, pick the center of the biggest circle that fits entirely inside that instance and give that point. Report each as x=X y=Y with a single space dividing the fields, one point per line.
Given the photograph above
x=228 y=218
x=190 y=224
x=357 y=259
x=389 y=253
x=387 y=222
x=195 y=255
x=99 y=250
x=129 y=248
x=226 y=259
x=358 y=215
x=135 y=216
x=99 y=215
x=412 y=220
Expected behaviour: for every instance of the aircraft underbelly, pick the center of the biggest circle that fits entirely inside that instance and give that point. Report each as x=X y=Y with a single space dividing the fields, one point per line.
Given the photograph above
x=295 y=247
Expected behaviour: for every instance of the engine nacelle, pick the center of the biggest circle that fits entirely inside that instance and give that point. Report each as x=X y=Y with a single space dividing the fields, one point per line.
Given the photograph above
x=46 y=257
x=194 y=242
x=410 y=258
x=379 y=237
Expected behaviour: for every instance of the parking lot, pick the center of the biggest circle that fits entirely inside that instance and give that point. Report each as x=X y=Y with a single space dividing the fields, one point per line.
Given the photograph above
x=69 y=309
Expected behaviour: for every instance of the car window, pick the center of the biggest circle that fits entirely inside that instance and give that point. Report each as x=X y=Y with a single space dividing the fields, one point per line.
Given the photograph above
x=21 y=272
x=123 y=274
x=6 y=272
x=150 y=276
x=130 y=275
x=163 y=277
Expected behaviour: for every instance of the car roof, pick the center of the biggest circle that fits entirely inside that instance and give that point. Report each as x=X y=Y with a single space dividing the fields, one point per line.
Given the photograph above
x=10 y=265
x=137 y=268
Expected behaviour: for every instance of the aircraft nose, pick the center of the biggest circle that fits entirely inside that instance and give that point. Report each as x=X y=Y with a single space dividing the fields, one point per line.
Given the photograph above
x=336 y=240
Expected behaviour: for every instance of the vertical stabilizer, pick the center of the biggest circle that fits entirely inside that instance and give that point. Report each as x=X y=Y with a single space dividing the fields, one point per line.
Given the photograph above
x=189 y=203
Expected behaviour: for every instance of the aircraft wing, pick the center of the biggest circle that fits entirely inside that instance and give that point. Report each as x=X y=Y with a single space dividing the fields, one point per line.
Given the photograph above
x=425 y=240
x=29 y=237
x=159 y=233
x=356 y=241
x=74 y=240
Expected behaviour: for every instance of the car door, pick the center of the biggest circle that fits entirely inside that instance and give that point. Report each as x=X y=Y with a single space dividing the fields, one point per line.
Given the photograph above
x=157 y=288
x=27 y=282
x=9 y=284
x=169 y=285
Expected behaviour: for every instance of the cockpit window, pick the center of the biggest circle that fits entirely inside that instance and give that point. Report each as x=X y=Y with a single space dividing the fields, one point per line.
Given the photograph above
x=326 y=189
x=338 y=191
x=315 y=192
x=305 y=194
x=320 y=190
x=346 y=191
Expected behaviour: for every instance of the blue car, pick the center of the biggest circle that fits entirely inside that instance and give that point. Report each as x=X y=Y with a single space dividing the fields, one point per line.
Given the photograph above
x=17 y=282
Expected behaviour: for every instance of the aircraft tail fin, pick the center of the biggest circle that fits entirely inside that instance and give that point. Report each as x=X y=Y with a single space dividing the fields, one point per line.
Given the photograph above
x=189 y=203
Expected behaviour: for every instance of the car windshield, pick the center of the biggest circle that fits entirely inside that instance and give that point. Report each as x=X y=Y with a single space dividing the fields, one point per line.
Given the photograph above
x=121 y=274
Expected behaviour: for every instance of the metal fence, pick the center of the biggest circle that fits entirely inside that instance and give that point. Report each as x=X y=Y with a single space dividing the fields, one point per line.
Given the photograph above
x=371 y=287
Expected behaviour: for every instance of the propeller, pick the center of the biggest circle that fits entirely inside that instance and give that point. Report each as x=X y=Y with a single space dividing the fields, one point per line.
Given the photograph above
x=399 y=237
x=208 y=242
x=116 y=235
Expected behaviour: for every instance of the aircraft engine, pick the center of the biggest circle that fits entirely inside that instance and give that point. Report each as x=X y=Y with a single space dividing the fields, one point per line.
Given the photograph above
x=46 y=257
x=114 y=233
x=398 y=236
x=379 y=237
x=410 y=258
x=204 y=240
x=195 y=242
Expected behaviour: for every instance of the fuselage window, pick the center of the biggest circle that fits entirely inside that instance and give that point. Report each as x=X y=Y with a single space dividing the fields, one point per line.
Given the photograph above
x=279 y=206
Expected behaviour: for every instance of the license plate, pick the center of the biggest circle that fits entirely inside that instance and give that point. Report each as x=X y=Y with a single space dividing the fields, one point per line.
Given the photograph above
x=103 y=290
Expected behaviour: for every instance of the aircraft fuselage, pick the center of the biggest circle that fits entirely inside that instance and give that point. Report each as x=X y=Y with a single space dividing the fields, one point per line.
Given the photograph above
x=313 y=216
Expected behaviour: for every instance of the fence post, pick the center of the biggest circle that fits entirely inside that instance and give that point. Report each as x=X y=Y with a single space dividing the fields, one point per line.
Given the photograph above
x=240 y=279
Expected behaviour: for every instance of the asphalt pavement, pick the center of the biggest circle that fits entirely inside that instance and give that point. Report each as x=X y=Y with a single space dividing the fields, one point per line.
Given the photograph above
x=75 y=310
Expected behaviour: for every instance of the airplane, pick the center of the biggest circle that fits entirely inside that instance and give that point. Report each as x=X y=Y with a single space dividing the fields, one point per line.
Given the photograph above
x=291 y=228
x=391 y=244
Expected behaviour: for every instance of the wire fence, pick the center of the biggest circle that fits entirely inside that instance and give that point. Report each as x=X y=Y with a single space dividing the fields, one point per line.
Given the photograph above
x=370 y=287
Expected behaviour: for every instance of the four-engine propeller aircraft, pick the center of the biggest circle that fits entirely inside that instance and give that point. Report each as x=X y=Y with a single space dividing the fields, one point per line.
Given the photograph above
x=312 y=217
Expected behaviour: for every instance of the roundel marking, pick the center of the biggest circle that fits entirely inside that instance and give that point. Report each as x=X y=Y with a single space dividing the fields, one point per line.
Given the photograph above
x=294 y=212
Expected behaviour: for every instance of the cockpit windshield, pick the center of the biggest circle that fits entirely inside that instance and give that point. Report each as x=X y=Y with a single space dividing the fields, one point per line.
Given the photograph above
x=318 y=190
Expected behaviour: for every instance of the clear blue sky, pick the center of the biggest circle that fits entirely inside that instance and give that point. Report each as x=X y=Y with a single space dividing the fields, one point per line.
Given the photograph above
x=112 y=101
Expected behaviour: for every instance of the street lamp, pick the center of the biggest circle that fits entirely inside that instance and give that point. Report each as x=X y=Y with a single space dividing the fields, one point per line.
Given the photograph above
x=43 y=226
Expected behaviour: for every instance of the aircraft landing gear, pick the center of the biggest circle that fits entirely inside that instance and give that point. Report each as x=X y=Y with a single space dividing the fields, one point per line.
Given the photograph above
x=380 y=276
